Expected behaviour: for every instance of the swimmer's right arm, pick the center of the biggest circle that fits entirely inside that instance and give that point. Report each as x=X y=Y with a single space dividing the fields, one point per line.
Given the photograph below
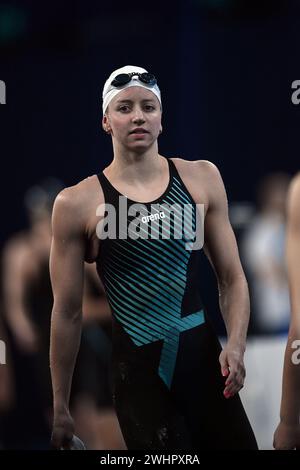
x=66 y=270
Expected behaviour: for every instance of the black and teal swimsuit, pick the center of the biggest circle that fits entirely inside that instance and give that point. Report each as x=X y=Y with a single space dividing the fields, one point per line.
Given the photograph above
x=168 y=388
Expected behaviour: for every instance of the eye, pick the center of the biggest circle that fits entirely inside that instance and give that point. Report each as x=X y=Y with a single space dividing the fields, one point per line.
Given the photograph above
x=124 y=108
x=149 y=107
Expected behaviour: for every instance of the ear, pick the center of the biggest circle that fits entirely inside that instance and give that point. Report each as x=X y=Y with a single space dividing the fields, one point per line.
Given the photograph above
x=105 y=124
x=160 y=130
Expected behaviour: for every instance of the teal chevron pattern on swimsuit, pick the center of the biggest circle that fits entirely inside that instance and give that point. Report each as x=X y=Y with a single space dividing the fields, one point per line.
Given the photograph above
x=145 y=282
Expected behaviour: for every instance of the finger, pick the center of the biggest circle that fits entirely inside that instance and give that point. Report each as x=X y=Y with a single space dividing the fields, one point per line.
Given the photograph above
x=234 y=386
x=232 y=376
x=67 y=441
x=239 y=381
x=229 y=384
x=224 y=364
x=66 y=446
x=60 y=440
x=56 y=443
x=237 y=374
x=229 y=392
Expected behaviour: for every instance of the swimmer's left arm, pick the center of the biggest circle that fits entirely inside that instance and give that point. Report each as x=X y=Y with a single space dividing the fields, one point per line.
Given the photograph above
x=221 y=248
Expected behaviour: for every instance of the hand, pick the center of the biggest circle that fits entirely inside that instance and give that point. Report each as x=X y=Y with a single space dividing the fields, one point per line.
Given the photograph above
x=287 y=437
x=232 y=367
x=62 y=431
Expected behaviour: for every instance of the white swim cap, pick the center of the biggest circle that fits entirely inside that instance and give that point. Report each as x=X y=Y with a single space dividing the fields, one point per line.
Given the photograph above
x=110 y=91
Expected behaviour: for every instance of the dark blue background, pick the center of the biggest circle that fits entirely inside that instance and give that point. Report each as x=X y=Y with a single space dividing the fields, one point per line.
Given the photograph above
x=225 y=69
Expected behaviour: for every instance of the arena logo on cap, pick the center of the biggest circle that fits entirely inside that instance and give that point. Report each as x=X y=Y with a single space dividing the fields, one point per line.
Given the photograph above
x=152 y=221
x=2 y=352
x=2 y=92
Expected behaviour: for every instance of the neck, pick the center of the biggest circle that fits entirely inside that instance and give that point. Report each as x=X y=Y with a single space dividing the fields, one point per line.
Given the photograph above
x=131 y=166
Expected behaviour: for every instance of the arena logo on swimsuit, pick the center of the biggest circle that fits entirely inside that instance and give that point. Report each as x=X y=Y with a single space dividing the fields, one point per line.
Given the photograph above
x=2 y=352
x=148 y=218
x=2 y=92
x=155 y=221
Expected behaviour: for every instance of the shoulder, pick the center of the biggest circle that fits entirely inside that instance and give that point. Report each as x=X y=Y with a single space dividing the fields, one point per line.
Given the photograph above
x=202 y=174
x=74 y=199
x=73 y=205
x=198 y=168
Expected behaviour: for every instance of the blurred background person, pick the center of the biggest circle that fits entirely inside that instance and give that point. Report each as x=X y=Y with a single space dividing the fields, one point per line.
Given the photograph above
x=27 y=299
x=287 y=434
x=6 y=379
x=263 y=255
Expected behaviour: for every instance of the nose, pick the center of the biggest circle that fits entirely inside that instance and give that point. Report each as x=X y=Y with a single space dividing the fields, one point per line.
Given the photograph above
x=138 y=116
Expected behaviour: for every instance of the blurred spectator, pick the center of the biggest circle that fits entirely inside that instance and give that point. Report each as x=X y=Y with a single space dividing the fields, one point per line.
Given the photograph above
x=28 y=304
x=262 y=245
x=6 y=381
x=262 y=250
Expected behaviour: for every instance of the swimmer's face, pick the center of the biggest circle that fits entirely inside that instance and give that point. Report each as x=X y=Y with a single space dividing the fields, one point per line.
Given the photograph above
x=133 y=107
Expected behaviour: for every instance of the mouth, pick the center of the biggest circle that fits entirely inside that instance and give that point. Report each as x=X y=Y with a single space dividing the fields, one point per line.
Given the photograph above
x=139 y=131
